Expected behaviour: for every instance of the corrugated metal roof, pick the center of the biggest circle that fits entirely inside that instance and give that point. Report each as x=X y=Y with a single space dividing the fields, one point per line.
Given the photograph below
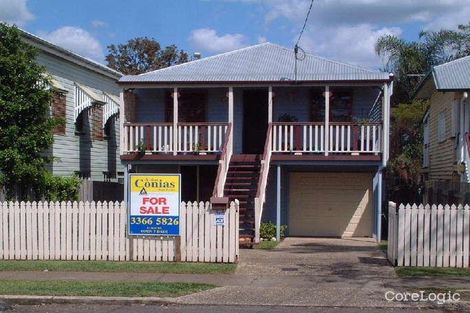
x=265 y=62
x=453 y=75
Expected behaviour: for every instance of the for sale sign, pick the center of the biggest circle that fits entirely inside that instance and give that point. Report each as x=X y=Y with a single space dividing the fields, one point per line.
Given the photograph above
x=154 y=204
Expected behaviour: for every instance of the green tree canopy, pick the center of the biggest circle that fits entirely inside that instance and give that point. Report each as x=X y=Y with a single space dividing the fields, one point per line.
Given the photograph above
x=410 y=60
x=25 y=122
x=142 y=54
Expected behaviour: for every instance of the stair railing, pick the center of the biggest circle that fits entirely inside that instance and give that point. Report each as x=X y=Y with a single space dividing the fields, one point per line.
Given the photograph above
x=467 y=157
x=224 y=163
x=263 y=181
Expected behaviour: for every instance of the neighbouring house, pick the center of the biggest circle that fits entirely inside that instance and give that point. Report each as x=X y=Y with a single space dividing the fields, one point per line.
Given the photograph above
x=446 y=161
x=86 y=97
x=297 y=144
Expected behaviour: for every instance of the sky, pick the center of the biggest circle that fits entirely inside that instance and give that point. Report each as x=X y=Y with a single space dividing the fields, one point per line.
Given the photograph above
x=344 y=30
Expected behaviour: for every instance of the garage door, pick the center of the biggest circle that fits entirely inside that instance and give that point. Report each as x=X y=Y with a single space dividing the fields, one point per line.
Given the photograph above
x=330 y=204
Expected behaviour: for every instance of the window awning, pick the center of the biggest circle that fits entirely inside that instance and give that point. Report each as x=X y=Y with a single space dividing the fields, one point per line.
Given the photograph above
x=85 y=98
x=111 y=107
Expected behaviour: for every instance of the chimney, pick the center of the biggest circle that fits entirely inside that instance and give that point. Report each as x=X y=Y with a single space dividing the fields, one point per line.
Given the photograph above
x=197 y=55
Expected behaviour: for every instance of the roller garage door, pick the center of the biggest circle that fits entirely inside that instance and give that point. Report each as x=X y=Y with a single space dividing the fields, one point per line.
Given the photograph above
x=330 y=204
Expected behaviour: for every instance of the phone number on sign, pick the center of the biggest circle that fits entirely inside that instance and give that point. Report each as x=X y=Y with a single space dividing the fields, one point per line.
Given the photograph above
x=153 y=221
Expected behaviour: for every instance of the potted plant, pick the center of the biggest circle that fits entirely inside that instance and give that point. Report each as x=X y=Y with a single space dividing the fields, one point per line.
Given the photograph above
x=141 y=148
x=198 y=149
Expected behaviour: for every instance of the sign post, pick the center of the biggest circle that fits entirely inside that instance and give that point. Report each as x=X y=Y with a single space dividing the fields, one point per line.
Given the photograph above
x=154 y=204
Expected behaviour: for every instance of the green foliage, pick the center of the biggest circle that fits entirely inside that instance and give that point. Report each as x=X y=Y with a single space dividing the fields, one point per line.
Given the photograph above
x=59 y=188
x=409 y=60
x=25 y=123
x=268 y=230
x=142 y=54
x=406 y=146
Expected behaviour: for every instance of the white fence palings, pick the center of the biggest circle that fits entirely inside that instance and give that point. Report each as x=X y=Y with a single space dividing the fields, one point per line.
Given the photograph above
x=431 y=235
x=98 y=231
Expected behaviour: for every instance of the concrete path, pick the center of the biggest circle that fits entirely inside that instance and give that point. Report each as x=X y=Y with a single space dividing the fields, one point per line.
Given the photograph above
x=299 y=272
x=308 y=271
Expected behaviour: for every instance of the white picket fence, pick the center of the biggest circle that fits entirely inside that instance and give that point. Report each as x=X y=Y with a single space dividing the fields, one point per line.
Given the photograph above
x=98 y=231
x=429 y=235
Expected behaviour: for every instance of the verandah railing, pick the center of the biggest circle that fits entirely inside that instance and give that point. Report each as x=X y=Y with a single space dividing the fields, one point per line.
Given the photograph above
x=160 y=137
x=344 y=137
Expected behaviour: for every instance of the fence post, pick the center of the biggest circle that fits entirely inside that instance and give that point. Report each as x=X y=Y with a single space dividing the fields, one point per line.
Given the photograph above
x=391 y=232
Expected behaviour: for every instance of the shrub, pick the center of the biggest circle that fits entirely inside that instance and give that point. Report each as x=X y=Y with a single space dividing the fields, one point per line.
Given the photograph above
x=59 y=188
x=268 y=230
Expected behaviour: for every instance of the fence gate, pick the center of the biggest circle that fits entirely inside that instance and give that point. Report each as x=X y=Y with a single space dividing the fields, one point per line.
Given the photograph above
x=98 y=231
x=429 y=235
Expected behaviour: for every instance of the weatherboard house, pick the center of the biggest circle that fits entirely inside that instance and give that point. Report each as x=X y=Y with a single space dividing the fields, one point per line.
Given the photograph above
x=305 y=147
x=86 y=97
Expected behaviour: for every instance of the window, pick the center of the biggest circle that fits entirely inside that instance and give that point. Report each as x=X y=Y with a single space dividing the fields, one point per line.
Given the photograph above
x=341 y=102
x=441 y=127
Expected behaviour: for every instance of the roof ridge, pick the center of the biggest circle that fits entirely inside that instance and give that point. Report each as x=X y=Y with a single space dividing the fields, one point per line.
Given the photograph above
x=74 y=54
x=207 y=58
x=453 y=61
x=328 y=60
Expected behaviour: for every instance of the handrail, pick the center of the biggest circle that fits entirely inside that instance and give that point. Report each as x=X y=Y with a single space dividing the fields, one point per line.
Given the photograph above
x=322 y=123
x=224 y=164
x=263 y=181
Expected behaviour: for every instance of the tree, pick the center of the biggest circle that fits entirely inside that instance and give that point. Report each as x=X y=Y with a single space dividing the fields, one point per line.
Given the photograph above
x=410 y=61
x=25 y=122
x=142 y=54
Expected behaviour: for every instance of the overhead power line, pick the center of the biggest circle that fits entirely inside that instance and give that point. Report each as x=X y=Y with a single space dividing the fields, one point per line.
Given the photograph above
x=296 y=47
x=305 y=23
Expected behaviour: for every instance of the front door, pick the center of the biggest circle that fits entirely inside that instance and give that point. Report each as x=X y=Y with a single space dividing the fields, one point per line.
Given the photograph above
x=255 y=120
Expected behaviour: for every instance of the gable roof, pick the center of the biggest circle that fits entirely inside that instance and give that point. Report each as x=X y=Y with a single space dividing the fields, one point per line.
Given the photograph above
x=454 y=75
x=265 y=62
x=68 y=55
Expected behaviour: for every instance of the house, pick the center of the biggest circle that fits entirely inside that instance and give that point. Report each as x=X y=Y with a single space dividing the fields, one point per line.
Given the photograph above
x=446 y=132
x=86 y=97
x=297 y=142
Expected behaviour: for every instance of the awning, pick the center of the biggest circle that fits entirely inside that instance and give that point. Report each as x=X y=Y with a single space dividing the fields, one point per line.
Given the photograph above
x=111 y=107
x=85 y=98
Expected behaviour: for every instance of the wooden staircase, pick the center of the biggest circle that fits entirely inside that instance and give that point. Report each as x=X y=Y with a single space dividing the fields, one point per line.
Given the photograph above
x=241 y=183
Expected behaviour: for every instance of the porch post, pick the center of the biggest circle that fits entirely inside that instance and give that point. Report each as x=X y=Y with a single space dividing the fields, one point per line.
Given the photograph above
x=175 y=120
x=270 y=104
x=121 y=122
x=386 y=123
x=278 y=204
x=230 y=105
x=378 y=216
x=327 y=119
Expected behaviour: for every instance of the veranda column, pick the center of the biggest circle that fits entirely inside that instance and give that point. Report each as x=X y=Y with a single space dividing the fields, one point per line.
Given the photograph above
x=121 y=122
x=270 y=104
x=230 y=105
x=175 y=120
x=327 y=119
x=386 y=122
x=278 y=205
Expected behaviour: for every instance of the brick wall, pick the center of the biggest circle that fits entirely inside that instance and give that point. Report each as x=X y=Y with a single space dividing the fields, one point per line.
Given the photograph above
x=97 y=122
x=59 y=109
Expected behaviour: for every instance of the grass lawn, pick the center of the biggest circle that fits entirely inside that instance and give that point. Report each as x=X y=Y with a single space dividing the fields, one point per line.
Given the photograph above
x=107 y=266
x=109 y=289
x=432 y=271
x=267 y=245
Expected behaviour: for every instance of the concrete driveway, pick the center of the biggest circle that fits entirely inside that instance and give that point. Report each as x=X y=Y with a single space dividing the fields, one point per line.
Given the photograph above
x=308 y=272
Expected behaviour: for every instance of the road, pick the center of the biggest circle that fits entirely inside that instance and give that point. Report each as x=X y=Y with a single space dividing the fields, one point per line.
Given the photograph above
x=64 y=308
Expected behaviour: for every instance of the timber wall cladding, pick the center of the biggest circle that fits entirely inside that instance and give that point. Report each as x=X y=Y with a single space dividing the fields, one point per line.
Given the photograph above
x=98 y=231
x=436 y=236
